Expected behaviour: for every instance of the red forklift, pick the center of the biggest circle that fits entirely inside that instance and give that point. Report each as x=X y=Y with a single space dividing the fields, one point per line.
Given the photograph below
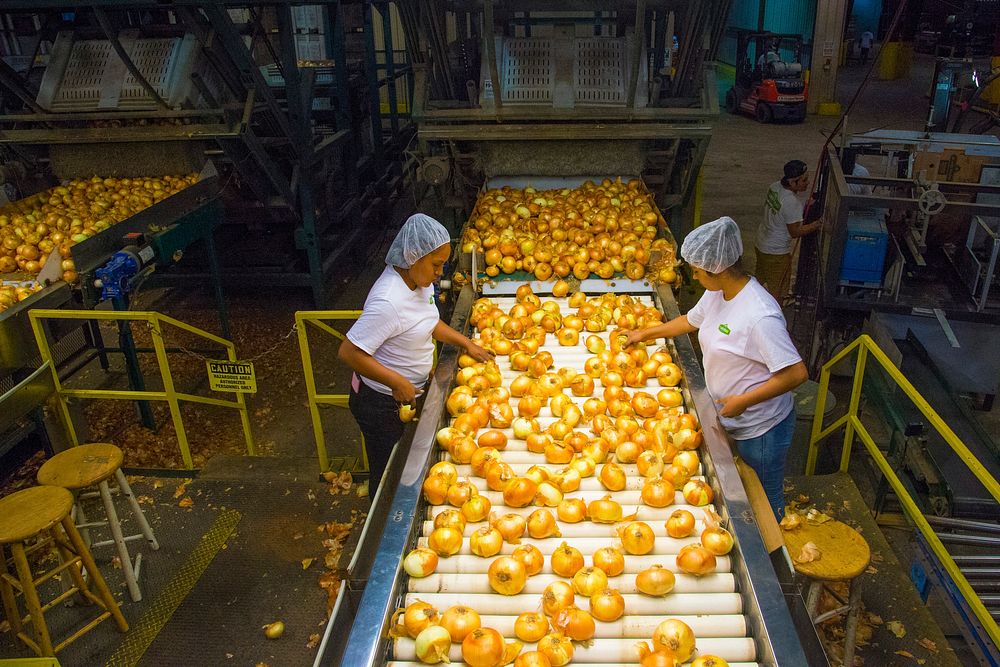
x=769 y=84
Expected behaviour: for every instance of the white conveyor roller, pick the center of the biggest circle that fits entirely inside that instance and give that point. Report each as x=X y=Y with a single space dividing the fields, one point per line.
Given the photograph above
x=616 y=651
x=633 y=564
x=479 y=583
x=674 y=603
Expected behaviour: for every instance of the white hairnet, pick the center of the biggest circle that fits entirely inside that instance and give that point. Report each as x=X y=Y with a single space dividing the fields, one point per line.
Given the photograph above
x=714 y=246
x=420 y=235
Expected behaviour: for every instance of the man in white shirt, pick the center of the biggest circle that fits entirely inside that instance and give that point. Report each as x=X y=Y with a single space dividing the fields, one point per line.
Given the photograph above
x=867 y=39
x=782 y=223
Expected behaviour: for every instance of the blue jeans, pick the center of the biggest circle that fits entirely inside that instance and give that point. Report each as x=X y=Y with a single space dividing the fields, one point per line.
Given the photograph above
x=766 y=454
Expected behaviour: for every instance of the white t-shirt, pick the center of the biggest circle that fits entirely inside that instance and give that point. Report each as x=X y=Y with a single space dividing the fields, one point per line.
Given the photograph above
x=866 y=39
x=744 y=341
x=781 y=208
x=395 y=328
x=857 y=188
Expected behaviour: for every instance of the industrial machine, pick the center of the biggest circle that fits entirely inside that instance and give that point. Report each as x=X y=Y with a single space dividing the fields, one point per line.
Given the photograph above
x=288 y=103
x=769 y=83
x=559 y=100
x=908 y=256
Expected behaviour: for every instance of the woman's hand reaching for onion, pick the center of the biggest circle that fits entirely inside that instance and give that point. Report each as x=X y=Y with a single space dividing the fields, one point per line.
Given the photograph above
x=478 y=353
x=404 y=392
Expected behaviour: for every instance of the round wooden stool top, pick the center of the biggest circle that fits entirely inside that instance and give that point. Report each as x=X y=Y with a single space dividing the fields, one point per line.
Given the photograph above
x=30 y=511
x=81 y=466
x=844 y=553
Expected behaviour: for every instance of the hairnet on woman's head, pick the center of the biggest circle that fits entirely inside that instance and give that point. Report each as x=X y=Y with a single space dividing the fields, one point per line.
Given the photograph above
x=714 y=246
x=420 y=235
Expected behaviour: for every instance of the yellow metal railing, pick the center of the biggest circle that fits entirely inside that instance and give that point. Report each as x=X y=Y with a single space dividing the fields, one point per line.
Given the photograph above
x=155 y=322
x=319 y=318
x=866 y=347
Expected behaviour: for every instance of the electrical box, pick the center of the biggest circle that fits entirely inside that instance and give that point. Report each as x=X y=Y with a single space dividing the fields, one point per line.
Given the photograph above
x=865 y=250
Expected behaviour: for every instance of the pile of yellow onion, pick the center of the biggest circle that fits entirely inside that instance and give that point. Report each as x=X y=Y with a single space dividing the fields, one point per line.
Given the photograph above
x=11 y=294
x=604 y=229
x=622 y=424
x=31 y=228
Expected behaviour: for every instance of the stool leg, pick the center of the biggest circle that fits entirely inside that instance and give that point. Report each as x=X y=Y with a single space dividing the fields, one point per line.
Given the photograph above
x=147 y=531
x=95 y=574
x=10 y=607
x=812 y=598
x=116 y=533
x=31 y=600
x=851 y=629
x=81 y=518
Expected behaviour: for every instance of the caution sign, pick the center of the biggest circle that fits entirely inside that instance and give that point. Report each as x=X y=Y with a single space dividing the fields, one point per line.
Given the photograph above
x=234 y=376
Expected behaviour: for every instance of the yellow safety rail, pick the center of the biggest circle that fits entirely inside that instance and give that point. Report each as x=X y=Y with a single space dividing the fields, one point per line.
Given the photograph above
x=155 y=322
x=866 y=347
x=319 y=319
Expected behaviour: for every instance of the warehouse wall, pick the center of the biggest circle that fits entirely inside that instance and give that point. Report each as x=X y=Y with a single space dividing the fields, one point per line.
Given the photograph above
x=788 y=16
x=867 y=14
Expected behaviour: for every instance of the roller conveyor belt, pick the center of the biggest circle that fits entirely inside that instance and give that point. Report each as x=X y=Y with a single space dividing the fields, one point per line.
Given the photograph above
x=466 y=582
x=736 y=612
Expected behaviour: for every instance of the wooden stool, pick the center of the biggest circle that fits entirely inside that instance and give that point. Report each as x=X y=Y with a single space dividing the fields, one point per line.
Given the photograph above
x=844 y=555
x=85 y=466
x=44 y=512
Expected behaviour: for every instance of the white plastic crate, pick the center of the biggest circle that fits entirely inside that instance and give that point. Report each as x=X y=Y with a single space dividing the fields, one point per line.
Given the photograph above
x=307 y=18
x=87 y=75
x=310 y=47
x=527 y=70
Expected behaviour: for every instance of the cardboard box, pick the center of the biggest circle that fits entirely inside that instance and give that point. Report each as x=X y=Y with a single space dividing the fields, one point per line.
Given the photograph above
x=949 y=164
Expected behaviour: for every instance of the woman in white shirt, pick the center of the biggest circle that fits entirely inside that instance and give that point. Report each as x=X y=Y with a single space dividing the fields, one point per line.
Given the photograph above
x=391 y=346
x=750 y=362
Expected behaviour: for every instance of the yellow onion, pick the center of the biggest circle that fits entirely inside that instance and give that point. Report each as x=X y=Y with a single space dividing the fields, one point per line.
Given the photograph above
x=612 y=476
x=531 y=557
x=433 y=644
x=531 y=626
x=420 y=562
x=675 y=636
x=485 y=647
x=486 y=542
x=445 y=541
x=718 y=540
x=607 y=605
x=610 y=560
x=680 y=524
x=548 y=494
x=571 y=510
x=575 y=623
x=655 y=580
x=604 y=510
x=557 y=596
x=507 y=575
x=511 y=527
x=698 y=493
x=542 y=524
x=451 y=519
x=412 y=620
x=637 y=538
x=696 y=559
x=566 y=560
x=657 y=492
x=519 y=492
x=459 y=621
x=461 y=491
x=476 y=509
x=658 y=658
x=589 y=580
x=557 y=647
x=705 y=660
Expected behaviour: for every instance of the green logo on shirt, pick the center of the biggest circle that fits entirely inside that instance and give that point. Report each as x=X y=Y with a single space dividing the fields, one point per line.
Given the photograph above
x=724 y=328
x=773 y=201
x=430 y=300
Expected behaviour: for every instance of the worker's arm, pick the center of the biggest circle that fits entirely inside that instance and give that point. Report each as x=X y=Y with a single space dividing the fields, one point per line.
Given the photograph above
x=444 y=333
x=783 y=381
x=675 y=327
x=800 y=228
x=363 y=363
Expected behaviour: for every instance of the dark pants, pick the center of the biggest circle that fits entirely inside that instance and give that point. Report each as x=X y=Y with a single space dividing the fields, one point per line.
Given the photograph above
x=378 y=417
